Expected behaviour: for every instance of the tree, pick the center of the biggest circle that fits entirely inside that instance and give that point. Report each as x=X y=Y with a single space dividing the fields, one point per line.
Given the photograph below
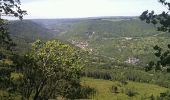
x=51 y=70
x=11 y=8
x=7 y=8
x=162 y=22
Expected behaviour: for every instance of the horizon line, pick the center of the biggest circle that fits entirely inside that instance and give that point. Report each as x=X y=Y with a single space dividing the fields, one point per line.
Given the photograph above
x=82 y=17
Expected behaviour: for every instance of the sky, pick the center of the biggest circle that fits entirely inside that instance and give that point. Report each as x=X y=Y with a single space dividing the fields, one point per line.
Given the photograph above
x=87 y=8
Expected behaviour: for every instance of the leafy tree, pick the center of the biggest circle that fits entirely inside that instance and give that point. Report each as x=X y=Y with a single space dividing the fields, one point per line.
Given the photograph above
x=5 y=40
x=11 y=8
x=7 y=8
x=162 y=22
x=51 y=70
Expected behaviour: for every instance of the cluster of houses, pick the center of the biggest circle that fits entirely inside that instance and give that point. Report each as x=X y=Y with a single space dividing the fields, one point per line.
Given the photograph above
x=82 y=44
x=132 y=60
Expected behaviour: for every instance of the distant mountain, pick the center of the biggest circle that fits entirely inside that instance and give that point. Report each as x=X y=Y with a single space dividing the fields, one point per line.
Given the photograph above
x=25 y=32
x=108 y=28
x=51 y=22
x=57 y=25
x=29 y=30
x=62 y=25
x=122 y=39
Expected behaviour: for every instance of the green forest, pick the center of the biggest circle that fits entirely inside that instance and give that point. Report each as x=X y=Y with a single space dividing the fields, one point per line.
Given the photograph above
x=98 y=58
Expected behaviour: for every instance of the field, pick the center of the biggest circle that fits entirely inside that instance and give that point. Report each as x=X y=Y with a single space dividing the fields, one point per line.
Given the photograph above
x=104 y=90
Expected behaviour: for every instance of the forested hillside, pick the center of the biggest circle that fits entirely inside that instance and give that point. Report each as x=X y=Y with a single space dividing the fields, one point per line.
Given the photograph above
x=80 y=57
x=124 y=40
x=105 y=28
x=25 y=32
x=113 y=49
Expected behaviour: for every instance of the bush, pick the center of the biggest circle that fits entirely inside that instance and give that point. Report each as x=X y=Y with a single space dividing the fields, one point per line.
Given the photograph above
x=123 y=82
x=86 y=92
x=152 y=97
x=131 y=92
x=164 y=96
x=114 y=89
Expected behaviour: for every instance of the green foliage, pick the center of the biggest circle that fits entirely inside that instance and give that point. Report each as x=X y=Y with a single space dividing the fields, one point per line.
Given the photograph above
x=116 y=40
x=5 y=40
x=131 y=92
x=124 y=74
x=85 y=92
x=4 y=36
x=29 y=30
x=26 y=32
x=114 y=89
x=51 y=70
x=163 y=24
x=152 y=97
x=97 y=29
x=97 y=75
x=99 y=34
x=12 y=8
x=164 y=96
x=163 y=61
x=161 y=20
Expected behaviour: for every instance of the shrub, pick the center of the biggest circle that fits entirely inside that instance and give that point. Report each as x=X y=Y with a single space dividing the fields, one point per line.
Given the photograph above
x=164 y=96
x=114 y=89
x=131 y=92
x=86 y=92
x=152 y=97
x=123 y=82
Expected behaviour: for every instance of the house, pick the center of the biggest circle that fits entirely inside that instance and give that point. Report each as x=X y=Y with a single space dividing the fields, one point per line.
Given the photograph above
x=132 y=60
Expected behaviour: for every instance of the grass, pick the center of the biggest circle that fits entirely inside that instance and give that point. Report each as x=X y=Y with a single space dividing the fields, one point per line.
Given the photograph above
x=104 y=89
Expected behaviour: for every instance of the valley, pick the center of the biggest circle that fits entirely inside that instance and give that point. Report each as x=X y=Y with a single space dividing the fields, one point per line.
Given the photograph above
x=115 y=50
x=84 y=49
x=119 y=38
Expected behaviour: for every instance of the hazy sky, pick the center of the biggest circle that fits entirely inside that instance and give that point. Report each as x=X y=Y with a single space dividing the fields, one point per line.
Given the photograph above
x=88 y=8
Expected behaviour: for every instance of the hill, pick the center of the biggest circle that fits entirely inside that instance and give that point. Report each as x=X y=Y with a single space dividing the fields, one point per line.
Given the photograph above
x=111 y=44
x=29 y=30
x=108 y=28
x=25 y=32
x=122 y=39
x=125 y=40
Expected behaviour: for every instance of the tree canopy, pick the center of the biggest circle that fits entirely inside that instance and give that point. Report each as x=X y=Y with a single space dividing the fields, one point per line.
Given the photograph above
x=162 y=22
x=11 y=8
x=51 y=70
x=8 y=8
